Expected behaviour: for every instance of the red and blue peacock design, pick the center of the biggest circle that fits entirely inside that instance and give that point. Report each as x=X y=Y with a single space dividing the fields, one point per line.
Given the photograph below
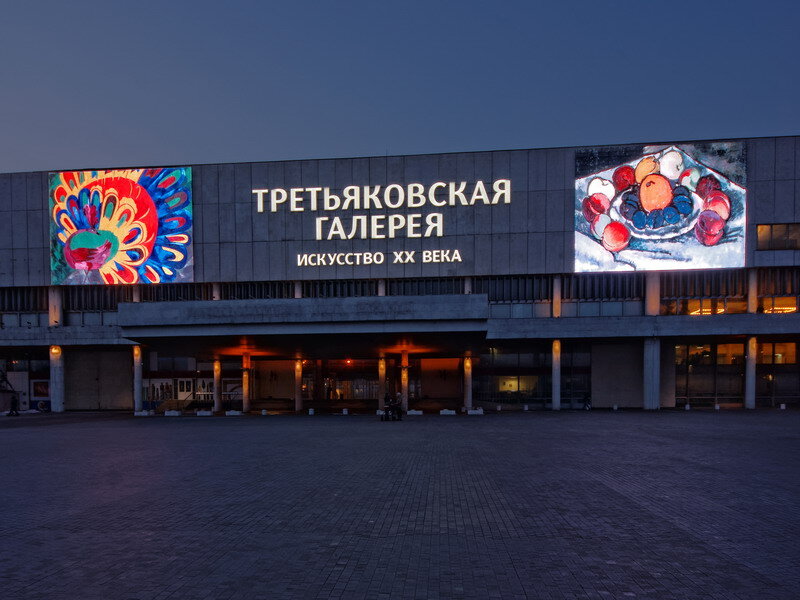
x=121 y=226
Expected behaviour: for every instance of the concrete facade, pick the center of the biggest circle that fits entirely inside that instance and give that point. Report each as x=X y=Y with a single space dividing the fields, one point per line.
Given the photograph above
x=427 y=330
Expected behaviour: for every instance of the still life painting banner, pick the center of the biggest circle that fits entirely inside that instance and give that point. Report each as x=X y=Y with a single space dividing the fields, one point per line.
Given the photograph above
x=121 y=226
x=660 y=208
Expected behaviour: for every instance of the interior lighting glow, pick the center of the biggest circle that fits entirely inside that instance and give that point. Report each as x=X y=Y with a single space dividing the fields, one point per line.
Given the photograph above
x=780 y=310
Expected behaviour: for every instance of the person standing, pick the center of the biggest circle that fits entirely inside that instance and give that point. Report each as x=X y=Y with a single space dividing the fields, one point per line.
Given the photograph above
x=14 y=412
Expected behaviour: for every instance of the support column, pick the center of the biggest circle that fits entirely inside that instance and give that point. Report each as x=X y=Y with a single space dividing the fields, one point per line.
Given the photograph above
x=651 y=384
x=54 y=307
x=298 y=385
x=404 y=379
x=468 y=382
x=245 y=383
x=467 y=285
x=56 y=379
x=752 y=291
x=137 y=379
x=556 y=302
x=750 y=373
x=216 y=291
x=381 y=382
x=136 y=294
x=381 y=287
x=556 y=374
x=217 y=390
x=652 y=294
x=298 y=289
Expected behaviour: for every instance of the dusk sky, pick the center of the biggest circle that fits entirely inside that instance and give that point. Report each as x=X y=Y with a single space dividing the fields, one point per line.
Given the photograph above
x=90 y=84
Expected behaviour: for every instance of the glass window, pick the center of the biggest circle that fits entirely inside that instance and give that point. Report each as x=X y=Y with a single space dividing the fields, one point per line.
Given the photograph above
x=700 y=355
x=736 y=305
x=764 y=234
x=785 y=353
x=681 y=353
x=764 y=356
x=694 y=307
x=779 y=237
x=784 y=304
x=730 y=354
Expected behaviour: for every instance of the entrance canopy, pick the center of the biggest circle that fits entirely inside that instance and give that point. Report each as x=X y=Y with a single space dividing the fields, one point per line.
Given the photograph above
x=331 y=327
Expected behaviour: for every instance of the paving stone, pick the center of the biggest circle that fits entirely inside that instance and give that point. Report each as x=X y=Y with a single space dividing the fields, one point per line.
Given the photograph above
x=593 y=505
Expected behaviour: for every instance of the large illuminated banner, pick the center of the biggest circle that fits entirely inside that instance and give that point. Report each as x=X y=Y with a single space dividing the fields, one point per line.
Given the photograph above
x=121 y=226
x=660 y=207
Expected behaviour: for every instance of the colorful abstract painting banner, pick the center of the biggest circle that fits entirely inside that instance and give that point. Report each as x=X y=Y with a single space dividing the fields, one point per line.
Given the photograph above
x=659 y=208
x=121 y=226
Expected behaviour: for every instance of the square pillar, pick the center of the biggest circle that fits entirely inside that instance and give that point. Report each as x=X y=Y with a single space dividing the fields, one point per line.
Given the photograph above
x=652 y=374
x=652 y=294
x=752 y=291
x=298 y=384
x=750 y=373
x=556 y=374
x=381 y=382
x=468 y=382
x=404 y=379
x=55 y=311
x=137 y=379
x=217 y=389
x=556 y=300
x=246 y=383
x=56 y=379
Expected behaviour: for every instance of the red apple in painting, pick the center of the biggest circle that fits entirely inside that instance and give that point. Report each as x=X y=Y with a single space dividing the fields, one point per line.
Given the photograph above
x=594 y=205
x=709 y=228
x=706 y=185
x=689 y=178
x=718 y=202
x=616 y=237
x=624 y=177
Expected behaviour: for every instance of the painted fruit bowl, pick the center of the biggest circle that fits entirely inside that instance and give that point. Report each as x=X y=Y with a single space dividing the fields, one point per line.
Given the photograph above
x=658 y=227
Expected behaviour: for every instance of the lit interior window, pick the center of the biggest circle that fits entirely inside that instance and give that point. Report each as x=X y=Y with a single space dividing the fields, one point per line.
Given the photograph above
x=782 y=304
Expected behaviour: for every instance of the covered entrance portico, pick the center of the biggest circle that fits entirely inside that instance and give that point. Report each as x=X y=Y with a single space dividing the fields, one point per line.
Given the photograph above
x=329 y=354
x=285 y=374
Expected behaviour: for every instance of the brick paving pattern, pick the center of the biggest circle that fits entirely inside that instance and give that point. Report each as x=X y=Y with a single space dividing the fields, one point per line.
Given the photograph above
x=574 y=505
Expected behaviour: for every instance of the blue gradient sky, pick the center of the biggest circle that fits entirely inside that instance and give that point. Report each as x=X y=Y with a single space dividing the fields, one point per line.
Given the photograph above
x=99 y=84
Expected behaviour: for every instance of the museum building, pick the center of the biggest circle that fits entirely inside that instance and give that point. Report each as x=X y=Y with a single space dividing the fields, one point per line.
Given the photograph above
x=657 y=275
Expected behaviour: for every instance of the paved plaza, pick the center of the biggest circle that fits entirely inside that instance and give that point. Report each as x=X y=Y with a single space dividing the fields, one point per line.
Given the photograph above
x=573 y=505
